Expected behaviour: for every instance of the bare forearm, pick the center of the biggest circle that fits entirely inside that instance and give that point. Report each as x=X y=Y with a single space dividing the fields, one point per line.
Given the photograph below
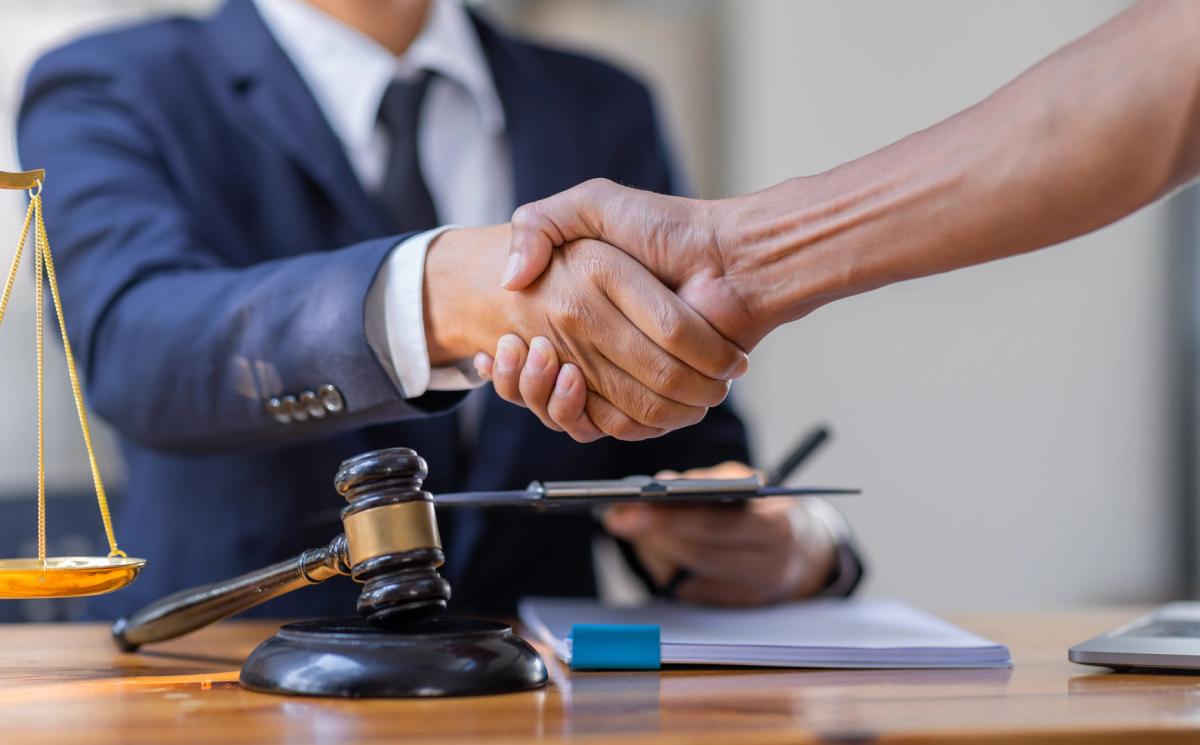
x=1097 y=130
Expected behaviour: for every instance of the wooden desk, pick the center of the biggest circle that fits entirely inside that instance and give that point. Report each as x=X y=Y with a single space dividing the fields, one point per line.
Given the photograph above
x=65 y=684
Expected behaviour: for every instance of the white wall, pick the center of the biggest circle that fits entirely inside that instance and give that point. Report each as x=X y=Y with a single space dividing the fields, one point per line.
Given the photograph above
x=1008 y=422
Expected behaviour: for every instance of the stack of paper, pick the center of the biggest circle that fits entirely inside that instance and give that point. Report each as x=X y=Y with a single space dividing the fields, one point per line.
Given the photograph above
x=844 y=633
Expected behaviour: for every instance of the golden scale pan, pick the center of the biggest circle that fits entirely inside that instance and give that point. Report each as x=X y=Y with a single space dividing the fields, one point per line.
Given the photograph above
x=56 y=576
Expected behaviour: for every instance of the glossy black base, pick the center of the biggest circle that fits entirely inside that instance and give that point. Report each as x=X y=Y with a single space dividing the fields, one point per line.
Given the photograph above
x=350 y=658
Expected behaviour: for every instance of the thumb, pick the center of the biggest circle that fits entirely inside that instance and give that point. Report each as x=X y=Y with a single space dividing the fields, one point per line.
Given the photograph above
x=539 y=227
x=530 y=250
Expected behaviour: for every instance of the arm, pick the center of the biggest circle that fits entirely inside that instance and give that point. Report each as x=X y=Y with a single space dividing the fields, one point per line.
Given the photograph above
x=182 y=344
x=1099 y=129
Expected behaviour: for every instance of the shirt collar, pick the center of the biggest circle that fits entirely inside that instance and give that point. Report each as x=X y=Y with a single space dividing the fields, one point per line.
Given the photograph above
x=328 y=53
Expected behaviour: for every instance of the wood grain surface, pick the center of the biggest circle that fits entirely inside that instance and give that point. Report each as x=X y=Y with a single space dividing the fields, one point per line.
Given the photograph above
x=67 y=684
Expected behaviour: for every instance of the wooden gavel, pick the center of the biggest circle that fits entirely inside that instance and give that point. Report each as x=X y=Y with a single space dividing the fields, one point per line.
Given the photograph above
x=390 y=545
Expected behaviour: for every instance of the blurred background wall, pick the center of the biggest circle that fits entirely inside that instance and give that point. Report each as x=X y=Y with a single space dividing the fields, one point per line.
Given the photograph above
x=1013 y=424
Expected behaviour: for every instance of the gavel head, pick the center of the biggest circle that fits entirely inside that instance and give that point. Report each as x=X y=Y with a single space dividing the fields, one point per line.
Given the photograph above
x=393 y=546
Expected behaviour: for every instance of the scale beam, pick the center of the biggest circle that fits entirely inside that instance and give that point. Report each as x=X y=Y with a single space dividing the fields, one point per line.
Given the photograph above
x=23 y=181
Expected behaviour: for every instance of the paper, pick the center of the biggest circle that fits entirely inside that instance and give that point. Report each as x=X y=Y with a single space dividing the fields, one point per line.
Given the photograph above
x=829 y=633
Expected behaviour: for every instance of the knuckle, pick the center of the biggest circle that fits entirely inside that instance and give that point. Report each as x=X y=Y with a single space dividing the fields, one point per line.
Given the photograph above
x=526 y=216
x=595 y=187
x=654 y=411
x=672 y=326
x=665 y=376
x=622 y=428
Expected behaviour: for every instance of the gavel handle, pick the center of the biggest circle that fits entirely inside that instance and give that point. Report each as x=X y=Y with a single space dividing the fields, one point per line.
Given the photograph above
x=195 y=608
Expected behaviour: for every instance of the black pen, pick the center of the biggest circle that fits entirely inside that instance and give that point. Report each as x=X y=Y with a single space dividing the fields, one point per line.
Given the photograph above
x=775 y=477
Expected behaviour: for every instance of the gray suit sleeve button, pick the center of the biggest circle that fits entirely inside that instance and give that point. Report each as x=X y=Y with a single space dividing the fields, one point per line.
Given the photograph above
x=295 y=410
x=278 y=411
x=312 y=404
x=332 y=399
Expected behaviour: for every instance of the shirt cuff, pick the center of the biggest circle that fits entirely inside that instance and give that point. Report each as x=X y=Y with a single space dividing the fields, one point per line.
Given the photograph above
x=394 y=321
x=848 y=570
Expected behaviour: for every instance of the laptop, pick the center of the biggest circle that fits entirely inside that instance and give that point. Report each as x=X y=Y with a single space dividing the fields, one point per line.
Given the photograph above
x=1166 y=638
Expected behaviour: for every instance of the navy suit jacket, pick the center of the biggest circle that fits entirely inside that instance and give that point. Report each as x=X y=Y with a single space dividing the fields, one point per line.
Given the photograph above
x=215 y=249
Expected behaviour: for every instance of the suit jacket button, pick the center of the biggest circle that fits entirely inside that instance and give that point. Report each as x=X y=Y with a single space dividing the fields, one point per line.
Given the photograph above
x=332 y=398
x=295 y=410
x=312 y=404
x=278 y=411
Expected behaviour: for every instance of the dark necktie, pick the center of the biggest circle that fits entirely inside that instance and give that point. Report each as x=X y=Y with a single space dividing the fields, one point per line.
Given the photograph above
x=404 y=195
x=405 y=198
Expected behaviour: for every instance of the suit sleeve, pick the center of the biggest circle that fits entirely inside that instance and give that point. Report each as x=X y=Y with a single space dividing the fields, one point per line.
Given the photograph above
x=180 y=348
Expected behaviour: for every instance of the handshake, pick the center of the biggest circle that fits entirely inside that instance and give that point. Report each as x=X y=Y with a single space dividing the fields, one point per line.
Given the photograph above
x=621 y=313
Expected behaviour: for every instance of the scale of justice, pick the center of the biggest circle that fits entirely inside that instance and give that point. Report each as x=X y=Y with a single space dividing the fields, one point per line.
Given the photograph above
x=403 y=643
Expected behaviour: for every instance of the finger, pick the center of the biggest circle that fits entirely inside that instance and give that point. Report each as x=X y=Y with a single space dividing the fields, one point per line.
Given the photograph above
x=724 y=592
x=751 y=565
x=639 y=336
x=616 y=423
x=674 y=326
x=538 y=376
x=483 y=365
x=620 y=404
x=506 y=372
x=725 y=526
x=730 y=469
x=568 y=405
x=628 y=521
x=538 y=227
x=657 y=370
x=589 y=330
x=660 y=567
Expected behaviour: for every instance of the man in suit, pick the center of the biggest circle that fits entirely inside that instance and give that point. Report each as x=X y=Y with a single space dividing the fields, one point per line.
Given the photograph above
x=247 y=211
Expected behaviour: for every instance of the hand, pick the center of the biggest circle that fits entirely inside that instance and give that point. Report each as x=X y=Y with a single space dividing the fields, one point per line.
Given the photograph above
x=532 y=377
x=762 y=551
x=642 y=360
x=686 y=243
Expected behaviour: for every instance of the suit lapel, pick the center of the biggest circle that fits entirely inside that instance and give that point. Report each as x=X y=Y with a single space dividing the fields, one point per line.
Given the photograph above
x=545 y=138
x=281 y=108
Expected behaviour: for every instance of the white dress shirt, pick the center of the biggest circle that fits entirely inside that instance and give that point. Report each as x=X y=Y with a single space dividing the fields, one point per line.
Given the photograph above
x=461 y=143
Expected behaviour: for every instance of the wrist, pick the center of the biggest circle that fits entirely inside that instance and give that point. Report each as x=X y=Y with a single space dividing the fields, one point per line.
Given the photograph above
x=817 y=552
x=776 y=257
x=462 y=294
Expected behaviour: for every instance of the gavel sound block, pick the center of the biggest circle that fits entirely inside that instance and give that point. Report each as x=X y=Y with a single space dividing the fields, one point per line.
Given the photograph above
x=399 y=647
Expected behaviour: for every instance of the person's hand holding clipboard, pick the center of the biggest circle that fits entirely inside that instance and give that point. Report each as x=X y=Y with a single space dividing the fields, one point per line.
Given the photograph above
x=742 y=553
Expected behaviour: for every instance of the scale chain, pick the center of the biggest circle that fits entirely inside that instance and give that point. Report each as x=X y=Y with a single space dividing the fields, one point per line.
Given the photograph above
x=44 y=273
x=38 y=269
